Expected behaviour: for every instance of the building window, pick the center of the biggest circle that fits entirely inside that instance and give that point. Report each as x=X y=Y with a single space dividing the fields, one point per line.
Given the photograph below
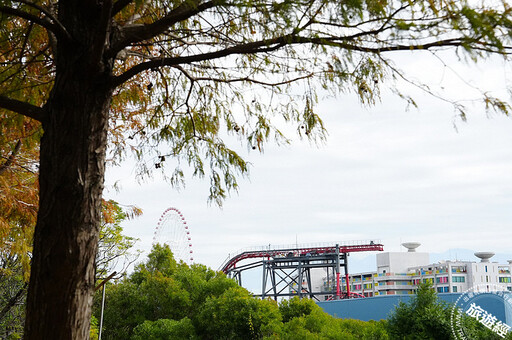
x=454 y=289
x=458 y=279
x=443 y=279
x=504 y=279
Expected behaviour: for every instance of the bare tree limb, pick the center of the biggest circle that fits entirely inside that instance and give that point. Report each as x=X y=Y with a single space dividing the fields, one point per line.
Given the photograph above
x=8 y=162
x=269 y=45
x=23 y=108
x=135 y=33
x=243 y=79
x=54 y=27
x=48 y=14
x=253 y=47
x=12 y=301
x=119 y=6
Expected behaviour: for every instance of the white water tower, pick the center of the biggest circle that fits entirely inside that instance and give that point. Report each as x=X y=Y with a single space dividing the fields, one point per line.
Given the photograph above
x=484 y=256
x=411 y=246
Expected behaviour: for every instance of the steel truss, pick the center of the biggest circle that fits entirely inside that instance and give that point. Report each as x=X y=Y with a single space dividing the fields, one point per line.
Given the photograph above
x=287 y=271
x=291 y=276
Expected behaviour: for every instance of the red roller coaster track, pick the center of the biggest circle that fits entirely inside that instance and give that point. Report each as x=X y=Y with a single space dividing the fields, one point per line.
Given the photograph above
x=231 y=262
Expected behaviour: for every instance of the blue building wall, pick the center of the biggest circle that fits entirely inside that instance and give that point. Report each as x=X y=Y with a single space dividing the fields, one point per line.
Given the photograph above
x=379 y=307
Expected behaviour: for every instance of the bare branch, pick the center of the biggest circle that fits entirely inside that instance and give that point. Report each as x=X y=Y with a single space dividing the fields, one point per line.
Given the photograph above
x=23 y=108
x=290 y=39
x=13 y=300
x=54 y=27
x=8 y=162
x=48 y=14
x=244 y=79
x=135 y=33
x=253 y=47
x=119 y=6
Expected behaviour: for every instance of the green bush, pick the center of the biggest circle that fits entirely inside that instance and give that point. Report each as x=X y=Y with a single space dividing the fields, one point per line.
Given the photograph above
x=165 y=329
x=163 y=299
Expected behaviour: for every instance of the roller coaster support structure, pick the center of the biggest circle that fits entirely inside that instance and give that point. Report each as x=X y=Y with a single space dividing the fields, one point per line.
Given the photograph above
x=287 y=271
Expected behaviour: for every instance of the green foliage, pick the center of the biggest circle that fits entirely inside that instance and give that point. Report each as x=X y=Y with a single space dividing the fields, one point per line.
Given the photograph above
x=296 y=329
x=315 y=324
x=115 y=250
x=200 y=283
x=424 y=317
x=239 y=81
x=165 y=329
x=160 y=288
x=15 y=253
x=94 y=330
x=129 y=304
x=166 y=300
x=12 y=321
x=356 y=329
x=473 y=329
x=123 y=310
x=13 y=291
x=236 y=314
x=160 y=261
x=428 y=317
x=296 y=307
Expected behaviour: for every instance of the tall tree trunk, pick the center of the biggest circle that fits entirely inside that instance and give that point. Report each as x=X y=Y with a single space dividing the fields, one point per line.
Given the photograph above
x=71 y=183
x=71 y=175
x=72 y=171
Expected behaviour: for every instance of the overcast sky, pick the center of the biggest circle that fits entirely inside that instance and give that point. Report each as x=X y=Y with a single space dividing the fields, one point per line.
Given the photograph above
x=384 y=173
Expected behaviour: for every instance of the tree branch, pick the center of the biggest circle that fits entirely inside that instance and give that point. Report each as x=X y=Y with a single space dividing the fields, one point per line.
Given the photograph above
x=54 y=27
x=276 y=43
x=50 y=15
x=119 y=6
x=8 y=162
x=135 y=33
x=243 y=79
x=23 y=108
x=253 y=47
x=12 y=301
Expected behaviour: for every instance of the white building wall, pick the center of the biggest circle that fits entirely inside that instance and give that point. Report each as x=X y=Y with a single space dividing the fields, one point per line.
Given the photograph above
x=399 y=273
x=397 y=262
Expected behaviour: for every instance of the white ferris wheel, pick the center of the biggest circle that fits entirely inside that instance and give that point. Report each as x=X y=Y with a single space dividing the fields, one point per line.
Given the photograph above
x=172 y=229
